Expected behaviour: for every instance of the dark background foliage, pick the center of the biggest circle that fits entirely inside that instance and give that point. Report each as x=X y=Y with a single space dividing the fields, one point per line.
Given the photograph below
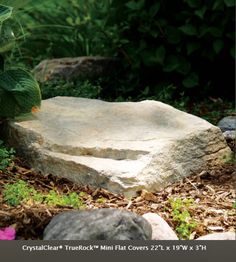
x=169 y=49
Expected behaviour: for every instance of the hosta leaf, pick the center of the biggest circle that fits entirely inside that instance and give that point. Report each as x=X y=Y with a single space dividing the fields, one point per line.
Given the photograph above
x=19 y=94
x=16 y=4
x=5 y=12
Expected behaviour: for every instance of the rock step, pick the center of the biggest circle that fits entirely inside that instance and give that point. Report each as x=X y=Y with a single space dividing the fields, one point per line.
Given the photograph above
x=117 y=175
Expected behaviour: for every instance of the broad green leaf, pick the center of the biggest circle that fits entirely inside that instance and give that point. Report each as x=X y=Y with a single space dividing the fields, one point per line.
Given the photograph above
x=201 y=12
x=8 y=105
x=70 y=21
x=188 y=29
x=203 y=30
x=218 y=45
x=135 y=5
x=191 y=47
x=16 y=4
x=218 y=5
x=5 y=12
x=193 y=3
x=150 y=59
x=229 y=3
x=173 y=35
x=191 y=81
x=215 y=31
x=154 y=9
x=147 y=58
x=171 y=63
x=231 y=35
x=20 y=93
x=160 y=54
x=184 y=66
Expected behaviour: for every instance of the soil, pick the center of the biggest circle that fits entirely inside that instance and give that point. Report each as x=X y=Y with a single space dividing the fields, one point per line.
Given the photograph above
x=213 y=192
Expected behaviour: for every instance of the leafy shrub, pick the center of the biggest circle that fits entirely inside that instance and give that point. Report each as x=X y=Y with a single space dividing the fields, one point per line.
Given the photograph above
x=6 y=156
x=186 y=44
x=180 y=214
x=19 y=91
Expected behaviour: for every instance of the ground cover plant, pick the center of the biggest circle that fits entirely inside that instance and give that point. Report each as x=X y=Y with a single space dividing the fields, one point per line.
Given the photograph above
x=6 y=156
x=21 y=192
x=185 y=225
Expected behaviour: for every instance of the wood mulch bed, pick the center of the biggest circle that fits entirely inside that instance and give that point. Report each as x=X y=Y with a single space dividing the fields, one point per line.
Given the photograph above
x=213 y=191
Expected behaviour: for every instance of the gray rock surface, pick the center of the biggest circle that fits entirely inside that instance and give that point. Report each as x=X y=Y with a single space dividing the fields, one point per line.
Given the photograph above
x=71 y=68
x=219 y=236
x=123 y=147
x=98 y=224
x=160 y=229
x=227 y=123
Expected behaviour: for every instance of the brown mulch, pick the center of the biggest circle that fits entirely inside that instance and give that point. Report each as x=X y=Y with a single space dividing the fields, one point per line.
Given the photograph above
x=212 y=190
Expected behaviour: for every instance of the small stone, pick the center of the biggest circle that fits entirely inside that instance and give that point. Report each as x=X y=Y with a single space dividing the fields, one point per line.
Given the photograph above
x=160 y=228
x=219 y=236
x=230 y=135
x=149 y=196
x=227 y=123
x=98 y=224
x=154 y=206
x=215 y=228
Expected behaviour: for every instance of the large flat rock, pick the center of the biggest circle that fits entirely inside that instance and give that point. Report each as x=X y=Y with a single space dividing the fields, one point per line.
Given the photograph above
x=123 y=147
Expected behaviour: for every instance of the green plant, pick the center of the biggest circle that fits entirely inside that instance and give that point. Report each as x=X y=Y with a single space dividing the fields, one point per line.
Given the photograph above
x=6 y=156
x=185 y=224
x=187 y=43
x=19 y=91
x=77 y=89
x=101 y=200
x=234 y=204
x=229 y=158
x=72 y=199
x=21 y=192
x=16 y=193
